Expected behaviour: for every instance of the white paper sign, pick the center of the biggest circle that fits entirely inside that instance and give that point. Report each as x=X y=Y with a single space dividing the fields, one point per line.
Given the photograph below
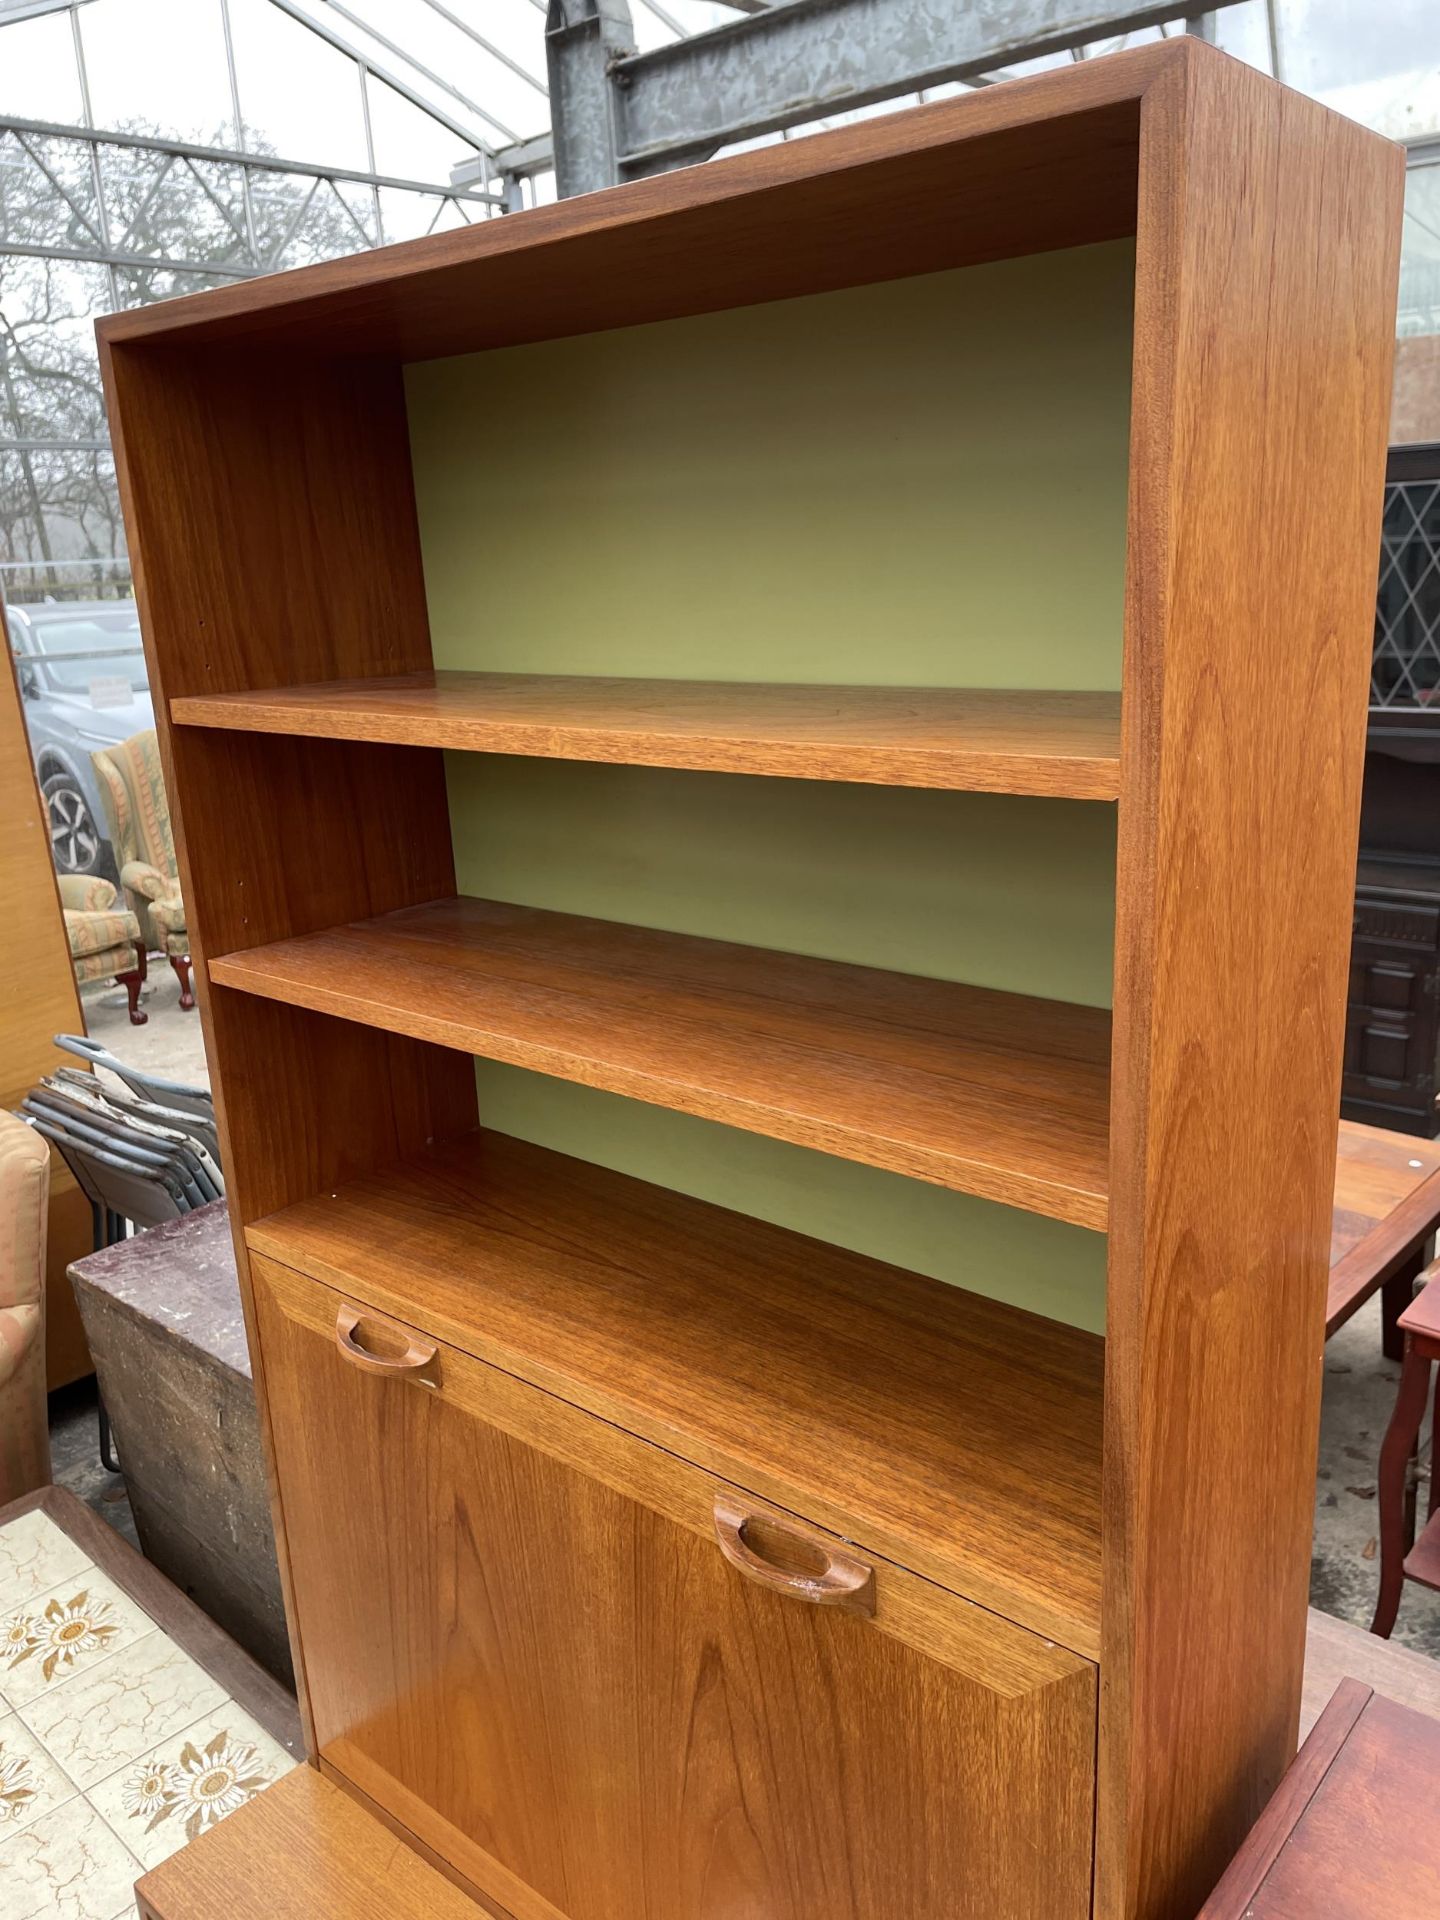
x=111 y=690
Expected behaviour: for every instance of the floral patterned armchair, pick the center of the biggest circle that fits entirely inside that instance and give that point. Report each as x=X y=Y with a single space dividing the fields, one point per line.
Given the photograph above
x=24 y=1212
x=132 y=789
x=104 y=937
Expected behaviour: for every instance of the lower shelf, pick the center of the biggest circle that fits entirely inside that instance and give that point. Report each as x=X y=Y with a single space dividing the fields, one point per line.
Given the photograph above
x=956 y=1436
x=995 y=1094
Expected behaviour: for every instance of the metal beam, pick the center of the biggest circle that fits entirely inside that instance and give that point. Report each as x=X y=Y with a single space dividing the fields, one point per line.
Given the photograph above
x=426 y=73
x=585 y=42
x=520 y=162
x=232 y=157
x=322 y=31
x=12 y=10
x=54 y=446
x=782 y=67
x=145 y=262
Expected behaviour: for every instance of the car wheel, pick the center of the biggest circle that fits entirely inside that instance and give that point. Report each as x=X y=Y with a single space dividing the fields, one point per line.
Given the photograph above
x=75 y=840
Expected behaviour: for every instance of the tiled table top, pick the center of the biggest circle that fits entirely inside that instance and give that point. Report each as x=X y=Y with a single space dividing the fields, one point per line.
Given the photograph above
x=116 y=1746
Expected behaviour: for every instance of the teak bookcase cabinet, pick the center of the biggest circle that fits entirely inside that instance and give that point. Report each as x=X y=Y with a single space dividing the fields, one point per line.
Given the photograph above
x=643 y=1555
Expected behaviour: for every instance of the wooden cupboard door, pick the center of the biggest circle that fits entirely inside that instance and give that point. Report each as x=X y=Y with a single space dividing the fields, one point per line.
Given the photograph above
x=522 y=1640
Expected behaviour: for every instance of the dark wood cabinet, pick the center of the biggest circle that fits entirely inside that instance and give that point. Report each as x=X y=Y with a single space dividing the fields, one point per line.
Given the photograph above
x=1393 y=1016
x=1392 y=1026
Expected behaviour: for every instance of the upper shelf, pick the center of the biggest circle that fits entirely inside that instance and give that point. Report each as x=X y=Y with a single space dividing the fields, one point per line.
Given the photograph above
x=988 y=741
x=988 y=1093
x=955 y=1435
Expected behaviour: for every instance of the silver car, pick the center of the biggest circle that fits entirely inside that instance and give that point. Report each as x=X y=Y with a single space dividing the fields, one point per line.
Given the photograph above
x=83 y=685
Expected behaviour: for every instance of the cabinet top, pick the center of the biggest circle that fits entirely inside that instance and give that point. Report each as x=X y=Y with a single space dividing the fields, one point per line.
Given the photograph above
x=1035 y=164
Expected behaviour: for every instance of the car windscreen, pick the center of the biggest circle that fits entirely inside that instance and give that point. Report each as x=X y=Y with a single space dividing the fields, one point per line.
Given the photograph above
x=78 y=649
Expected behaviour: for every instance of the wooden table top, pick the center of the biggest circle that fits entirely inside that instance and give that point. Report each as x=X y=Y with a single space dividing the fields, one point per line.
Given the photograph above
x=1349 y=1833
x=1387 y=1204
x=1374 y=1171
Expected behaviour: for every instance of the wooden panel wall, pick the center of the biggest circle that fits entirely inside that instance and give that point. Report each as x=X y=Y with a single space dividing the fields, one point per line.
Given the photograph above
x=1266 y=278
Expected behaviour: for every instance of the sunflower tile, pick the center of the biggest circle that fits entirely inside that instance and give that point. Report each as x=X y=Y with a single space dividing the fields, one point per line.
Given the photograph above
x=95 y=1723
x=189 y=1783
x=55 y=1637
x=31 y=1785
x=67 y=1866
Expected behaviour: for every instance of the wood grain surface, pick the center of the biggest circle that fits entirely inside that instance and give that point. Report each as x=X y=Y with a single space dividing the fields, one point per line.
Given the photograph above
x=955 y=1435
x=1376 y=1171
x=41 y=1000
x=1233 y=1898
x=1049 y=161
x=981 y=740
x=1386 y=1210
x=1346 y=1835
x=307 y=465
x=260 y=437
x=586 y=1709
x=301 y=1850
x=988 y=1093
x=1265 y=284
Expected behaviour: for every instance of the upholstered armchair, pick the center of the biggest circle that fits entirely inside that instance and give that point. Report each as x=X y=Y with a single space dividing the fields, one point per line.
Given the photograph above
x=132 y=790
x=104 y=937
x=24 y=1209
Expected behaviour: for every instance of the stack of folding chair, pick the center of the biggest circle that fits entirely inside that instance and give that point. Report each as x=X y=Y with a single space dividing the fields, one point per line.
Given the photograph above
x=143 y=1152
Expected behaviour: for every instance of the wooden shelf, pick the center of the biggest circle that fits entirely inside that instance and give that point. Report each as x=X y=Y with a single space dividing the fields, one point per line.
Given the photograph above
x=984 y=740
x=954 y=1435
x=989 y=1093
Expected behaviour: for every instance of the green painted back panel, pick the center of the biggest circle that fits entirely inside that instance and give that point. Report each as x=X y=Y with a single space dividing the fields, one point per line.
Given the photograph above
x=921 y=483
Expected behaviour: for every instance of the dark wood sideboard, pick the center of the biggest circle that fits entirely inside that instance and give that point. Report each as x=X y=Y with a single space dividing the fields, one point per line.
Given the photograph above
x=1392 y=1032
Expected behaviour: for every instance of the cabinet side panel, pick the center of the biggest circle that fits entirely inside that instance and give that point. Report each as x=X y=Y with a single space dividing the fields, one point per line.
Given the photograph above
x=272 y=529
x=1265 y=309
x=271 y=523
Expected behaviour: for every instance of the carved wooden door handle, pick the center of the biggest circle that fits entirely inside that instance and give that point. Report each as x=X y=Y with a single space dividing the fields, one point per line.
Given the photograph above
x=789 y=1558
x=417 y=1360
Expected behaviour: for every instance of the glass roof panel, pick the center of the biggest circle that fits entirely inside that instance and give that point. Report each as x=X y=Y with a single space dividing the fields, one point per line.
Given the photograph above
x=38 y=80
x=300 y=98
x=132 y=90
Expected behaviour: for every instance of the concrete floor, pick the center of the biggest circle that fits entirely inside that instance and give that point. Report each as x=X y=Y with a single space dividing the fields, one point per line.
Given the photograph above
x=75 y=1457
x=169 y=1044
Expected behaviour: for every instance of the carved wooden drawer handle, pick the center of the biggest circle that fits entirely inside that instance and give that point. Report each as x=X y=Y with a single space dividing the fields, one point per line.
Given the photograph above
x=417 y=1362
x=788 y=1558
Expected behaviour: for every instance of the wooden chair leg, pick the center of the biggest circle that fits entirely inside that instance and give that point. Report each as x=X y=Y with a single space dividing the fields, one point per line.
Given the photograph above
x=181 y=964
x=132 y=983
x=1395 y=1452
x=1433 y=1500
x=1395 y=1296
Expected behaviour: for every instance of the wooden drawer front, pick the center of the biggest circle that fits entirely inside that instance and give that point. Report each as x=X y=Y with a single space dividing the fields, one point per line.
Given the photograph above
x=522 y=1639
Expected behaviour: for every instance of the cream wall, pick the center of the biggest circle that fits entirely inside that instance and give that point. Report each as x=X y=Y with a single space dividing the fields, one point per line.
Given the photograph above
x=772 y=493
